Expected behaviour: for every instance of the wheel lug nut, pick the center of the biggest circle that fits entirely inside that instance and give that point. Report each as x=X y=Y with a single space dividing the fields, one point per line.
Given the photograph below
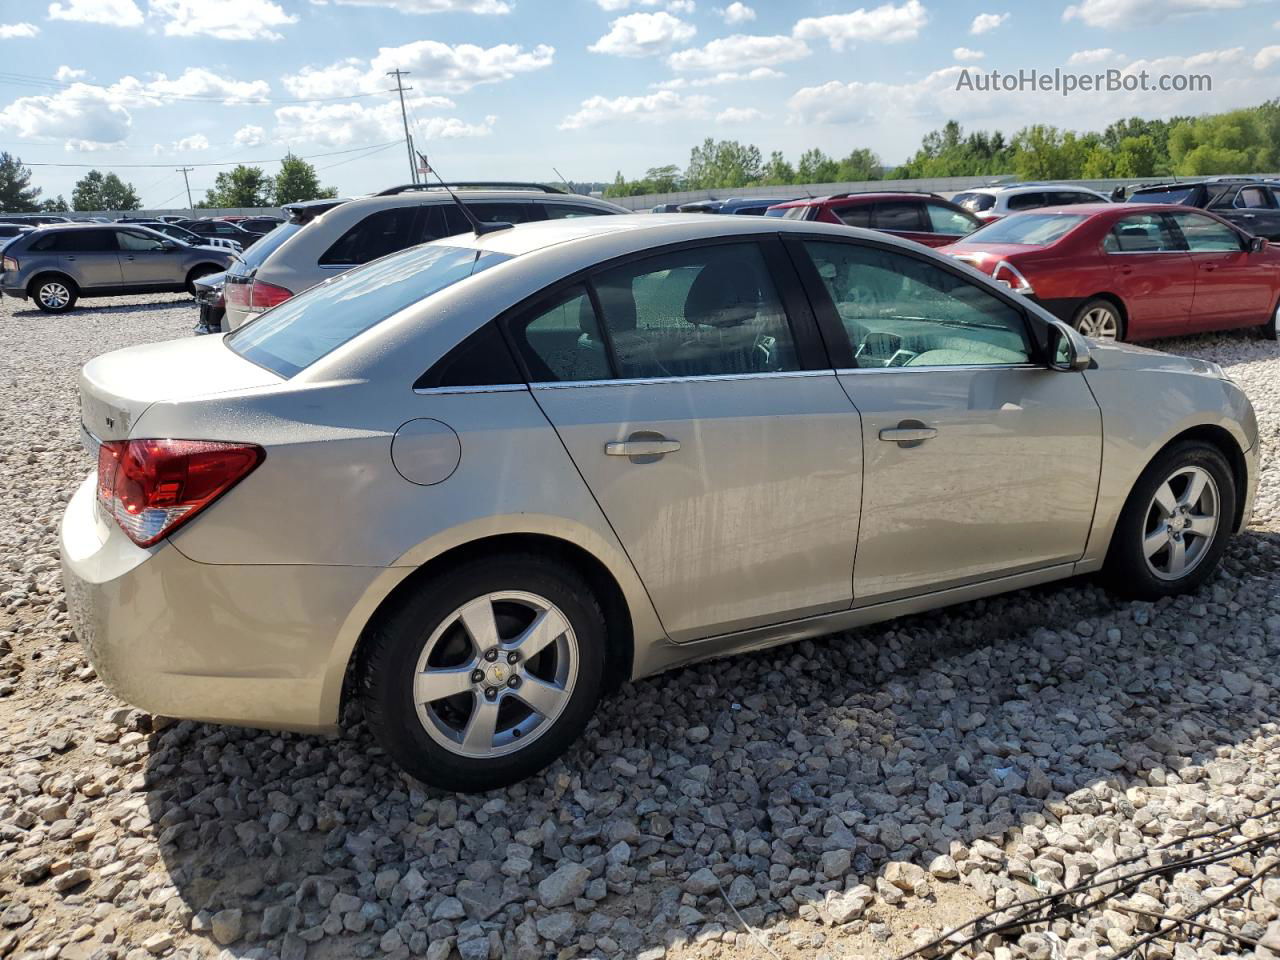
x=491 y=655
x=513 y=682
x=491 y=693
x=513 y=657
x=477 y=676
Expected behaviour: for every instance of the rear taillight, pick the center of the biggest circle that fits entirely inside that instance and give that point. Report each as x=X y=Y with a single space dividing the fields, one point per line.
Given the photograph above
x=236 y=294
x=1006 y=273
x=10 y=265
x=264 y=296
x=152 y=487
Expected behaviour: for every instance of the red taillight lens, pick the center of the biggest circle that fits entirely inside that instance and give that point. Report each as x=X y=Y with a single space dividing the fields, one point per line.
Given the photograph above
x=1006 y=273
x=264 y=296
x=10 y=265
x=152 y=487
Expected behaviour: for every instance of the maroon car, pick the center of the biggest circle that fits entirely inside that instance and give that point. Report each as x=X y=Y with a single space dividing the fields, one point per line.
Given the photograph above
x=923 y=217
x=1132 y=271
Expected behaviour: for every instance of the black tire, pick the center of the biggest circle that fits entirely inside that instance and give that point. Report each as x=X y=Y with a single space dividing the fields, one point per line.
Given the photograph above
x=1082 y=319
x=389 y=661
x=1127 y=570
x=54 y=292
x=196 y=273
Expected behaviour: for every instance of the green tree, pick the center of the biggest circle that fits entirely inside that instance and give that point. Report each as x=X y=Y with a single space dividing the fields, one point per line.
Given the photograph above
x=16 y=193
x=861 y=164
x=723 y=163
x=54 y=205
x=94 y=191
x=778 y=170
x=816 y=167
x=297 y=181
x=240 y=186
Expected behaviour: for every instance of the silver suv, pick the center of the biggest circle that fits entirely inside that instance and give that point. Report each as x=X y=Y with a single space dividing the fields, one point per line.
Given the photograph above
x=342 y=235
x=57 y=264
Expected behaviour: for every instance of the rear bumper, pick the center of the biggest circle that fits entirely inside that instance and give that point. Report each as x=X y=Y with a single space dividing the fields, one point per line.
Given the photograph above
x=248 y=645
x=19 y=293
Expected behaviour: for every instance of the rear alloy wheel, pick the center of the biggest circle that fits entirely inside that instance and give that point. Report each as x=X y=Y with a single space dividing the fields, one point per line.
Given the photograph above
x=1099 y=320
x=1175 y=526
x=54 y=294
x=486 y=676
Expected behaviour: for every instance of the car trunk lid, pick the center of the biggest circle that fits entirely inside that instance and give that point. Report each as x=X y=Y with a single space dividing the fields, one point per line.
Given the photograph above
x=117 y=388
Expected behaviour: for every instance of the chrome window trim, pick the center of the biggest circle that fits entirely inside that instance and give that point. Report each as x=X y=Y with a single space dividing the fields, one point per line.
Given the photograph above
x=488 y=388
x=703 y=378
x=954 y=366
x=1138 y=253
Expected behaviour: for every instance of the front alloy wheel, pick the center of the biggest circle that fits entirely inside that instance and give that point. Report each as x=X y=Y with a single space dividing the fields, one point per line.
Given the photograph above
x=1098 y=320
x=1181 y=522
x=54 y=296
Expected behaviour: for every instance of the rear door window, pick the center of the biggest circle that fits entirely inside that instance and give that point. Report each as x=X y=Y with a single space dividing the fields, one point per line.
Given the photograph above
x=1251 y=198
x=377 y=235
x=1027 y=201
x=858 y=215
x=441 y=220
x=951 y=223
x=906 y=216
x=506 y=211
x=1143 y=233
x=567 y=211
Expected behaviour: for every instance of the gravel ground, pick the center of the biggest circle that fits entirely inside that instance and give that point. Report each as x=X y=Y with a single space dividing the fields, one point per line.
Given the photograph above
x=854 y=796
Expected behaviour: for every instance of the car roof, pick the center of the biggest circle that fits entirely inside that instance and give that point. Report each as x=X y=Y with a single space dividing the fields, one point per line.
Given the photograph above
x=1119 y=209
x=1016 y=188
x=866 y=196
x=415 y=197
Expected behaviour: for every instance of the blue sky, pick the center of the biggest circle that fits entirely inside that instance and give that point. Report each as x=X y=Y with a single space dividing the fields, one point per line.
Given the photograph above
x=510 y=88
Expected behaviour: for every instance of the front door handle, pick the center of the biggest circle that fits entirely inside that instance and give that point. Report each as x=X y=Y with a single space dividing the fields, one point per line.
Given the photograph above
x=908 y=433
x=643 y=446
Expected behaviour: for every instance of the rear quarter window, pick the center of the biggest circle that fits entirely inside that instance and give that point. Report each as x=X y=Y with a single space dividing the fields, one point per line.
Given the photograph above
x=376 y=235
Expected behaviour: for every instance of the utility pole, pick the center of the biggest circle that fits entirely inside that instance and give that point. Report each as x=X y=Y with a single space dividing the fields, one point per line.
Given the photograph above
x=400 y=89
x=184 y=171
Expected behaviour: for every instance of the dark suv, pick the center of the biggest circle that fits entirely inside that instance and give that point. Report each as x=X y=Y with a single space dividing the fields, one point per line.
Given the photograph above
x=57 y=264
x=1252 y=205
x=923 y=217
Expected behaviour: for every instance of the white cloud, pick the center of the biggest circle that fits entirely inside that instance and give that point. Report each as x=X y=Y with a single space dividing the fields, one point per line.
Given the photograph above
x=884 y=24
x=1127 y=13
x=717 y=79
x=115 y=13
x=739 y=115
x=986 y=22
x=436 y=67
x=1095 y=56
x=344 y=124
x=644 y=35
x=197 y=141
x=672 y=6
x=1266 y=57
x=433 y=6
x=250 y=135
x=728 y=53
x=964 y=53
x=199 y=82
x=658 y=107
x=68 y=73
x=224 y=20
x=86 y=117
x=10 y=31
x=736 y=13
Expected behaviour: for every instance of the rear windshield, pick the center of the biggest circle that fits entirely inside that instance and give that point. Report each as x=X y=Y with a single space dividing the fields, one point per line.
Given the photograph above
x=270 y=242
x=1163 y=196
x=974 y=202
x=291 y=337
x=1031 y=229
x=795 y=213
x=775 y=212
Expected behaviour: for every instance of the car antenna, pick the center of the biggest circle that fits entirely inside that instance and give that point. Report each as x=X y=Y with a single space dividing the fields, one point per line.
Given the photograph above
x=478 y=227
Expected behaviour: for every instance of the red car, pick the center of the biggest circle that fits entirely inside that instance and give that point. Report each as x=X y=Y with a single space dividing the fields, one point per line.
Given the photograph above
x=1132 y=271
x=923 y=217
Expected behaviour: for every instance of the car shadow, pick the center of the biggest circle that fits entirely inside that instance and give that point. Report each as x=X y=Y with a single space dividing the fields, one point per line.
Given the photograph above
x=23 y=308
x=891 y=742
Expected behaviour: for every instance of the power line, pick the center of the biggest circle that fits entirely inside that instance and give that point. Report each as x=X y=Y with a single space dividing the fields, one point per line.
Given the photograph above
x=26 y=80
x=385 y=146
x=219 y=163
x=408 y=143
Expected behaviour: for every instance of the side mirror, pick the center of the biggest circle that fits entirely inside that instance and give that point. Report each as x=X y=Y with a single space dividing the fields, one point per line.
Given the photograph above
x=1257 y=244
x=168 y=246
x=1068 y=350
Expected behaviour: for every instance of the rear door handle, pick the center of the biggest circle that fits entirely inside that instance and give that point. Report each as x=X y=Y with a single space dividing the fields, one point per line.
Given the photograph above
x=908 y=433
x=641 y=448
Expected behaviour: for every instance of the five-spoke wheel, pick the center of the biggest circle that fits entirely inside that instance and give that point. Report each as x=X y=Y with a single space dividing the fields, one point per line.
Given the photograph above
x=1181 y=522
x=1099 y=320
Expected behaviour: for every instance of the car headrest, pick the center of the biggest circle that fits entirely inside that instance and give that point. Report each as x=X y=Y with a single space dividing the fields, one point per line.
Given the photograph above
x=723 y=295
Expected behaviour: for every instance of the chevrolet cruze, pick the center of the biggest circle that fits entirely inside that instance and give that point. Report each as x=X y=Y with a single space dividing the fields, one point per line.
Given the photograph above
x=480 y=482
